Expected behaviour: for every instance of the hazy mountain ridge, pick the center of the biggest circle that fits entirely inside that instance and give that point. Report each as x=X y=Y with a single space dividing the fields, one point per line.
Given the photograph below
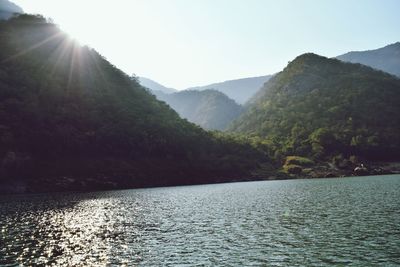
x=155 y=86
x=209 y=109
x=386 y=58
x=8 y=9
x=322 y=107
x=239 y=90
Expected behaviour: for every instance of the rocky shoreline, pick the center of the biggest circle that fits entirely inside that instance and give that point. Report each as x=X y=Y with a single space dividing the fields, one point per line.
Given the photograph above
x=329 y=170
x=317 y=170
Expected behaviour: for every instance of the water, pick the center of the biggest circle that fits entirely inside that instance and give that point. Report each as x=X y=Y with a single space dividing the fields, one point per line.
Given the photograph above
x=351 y=221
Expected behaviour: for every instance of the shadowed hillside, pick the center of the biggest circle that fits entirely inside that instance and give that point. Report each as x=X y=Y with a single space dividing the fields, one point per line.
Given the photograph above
x=71 y=120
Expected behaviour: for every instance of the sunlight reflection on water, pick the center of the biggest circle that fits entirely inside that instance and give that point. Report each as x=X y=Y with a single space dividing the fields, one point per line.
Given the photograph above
x=280 y=223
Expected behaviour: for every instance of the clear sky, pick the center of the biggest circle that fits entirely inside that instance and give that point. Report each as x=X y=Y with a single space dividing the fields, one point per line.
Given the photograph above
x=183 y=43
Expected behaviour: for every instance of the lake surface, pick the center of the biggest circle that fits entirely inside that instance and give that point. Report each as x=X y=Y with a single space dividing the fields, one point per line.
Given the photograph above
x=319 y=222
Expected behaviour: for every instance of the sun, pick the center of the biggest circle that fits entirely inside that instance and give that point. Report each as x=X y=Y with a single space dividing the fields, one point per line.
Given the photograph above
x=76 y=18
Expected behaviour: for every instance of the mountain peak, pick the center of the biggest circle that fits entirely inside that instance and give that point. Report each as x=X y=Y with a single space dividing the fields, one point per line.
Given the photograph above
x=314 y=94
x=307 y=58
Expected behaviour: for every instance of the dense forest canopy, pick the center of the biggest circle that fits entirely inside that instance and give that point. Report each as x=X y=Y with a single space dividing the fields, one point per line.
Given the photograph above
x=322 y=107
x=66 y=111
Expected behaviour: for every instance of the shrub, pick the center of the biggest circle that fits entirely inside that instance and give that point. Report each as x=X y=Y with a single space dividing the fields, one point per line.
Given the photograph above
x=296 y=160
x=292 y=169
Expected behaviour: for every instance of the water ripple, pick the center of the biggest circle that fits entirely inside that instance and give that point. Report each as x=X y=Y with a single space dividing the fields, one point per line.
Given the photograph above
x=322 y=222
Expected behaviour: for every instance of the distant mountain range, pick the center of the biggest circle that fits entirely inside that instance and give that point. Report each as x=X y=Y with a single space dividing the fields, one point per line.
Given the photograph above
x=8 y=9
x=155 y=86
x=239 y=90
x=386 y=58
x=213 y=106
x=191 y=104
x=210 y=109
x=322 y=107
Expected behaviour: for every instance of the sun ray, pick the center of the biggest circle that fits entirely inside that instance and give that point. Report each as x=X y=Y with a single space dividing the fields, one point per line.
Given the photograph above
x=56 y=56
x=96 y=63
x=61 y=54
x=35 y=46
x=72 y=64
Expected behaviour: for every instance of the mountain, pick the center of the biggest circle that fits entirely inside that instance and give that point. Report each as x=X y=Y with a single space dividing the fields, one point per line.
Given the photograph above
x=239 y=90
x=209 y=109
x=70 y=120
x=8 y=9
x=324 y=108
x=386 y=58
x=155 y=86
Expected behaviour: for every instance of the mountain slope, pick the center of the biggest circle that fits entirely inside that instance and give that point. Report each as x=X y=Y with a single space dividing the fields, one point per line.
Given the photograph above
x=71 y=120
x=8 y=9
x=209 y=109
x=386 y=58
x=239 y=90
x=322 y=107
x=155 y=86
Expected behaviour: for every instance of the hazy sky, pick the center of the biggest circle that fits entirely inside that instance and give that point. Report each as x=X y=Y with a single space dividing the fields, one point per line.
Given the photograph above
x=182 y=43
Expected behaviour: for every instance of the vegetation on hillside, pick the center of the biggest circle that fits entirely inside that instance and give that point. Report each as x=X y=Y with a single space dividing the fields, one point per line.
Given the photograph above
x=69 y=117
x=71 y=120
x=326 y=109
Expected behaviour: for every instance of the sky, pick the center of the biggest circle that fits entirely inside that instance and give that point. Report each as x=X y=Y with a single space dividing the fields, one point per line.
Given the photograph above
x=184 y=43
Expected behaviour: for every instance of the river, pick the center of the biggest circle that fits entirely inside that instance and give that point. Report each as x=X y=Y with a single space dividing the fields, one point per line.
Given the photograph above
x=315 y=222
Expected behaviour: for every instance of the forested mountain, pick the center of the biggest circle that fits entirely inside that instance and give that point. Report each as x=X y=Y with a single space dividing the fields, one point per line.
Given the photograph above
x=155 y=86
x=320 y=107
x=386 y=58
x=8 y=9
x=209 y=109
x=71 y=120
x=239 y=90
